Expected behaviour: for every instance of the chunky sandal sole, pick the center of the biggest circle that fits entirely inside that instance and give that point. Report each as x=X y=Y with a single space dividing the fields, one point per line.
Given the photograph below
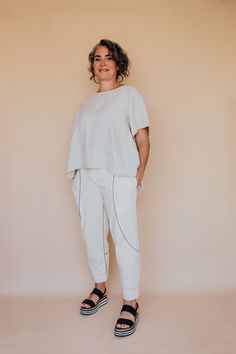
x=119 y=332
x=90 y=311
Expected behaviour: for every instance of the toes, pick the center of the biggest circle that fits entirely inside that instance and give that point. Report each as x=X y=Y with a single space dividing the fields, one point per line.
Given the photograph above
x=123 y=326
x=86 y=306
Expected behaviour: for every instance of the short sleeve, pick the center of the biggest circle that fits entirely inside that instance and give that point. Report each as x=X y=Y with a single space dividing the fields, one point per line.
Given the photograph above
x=138 y=113
x=77 y=116
x=71 y=172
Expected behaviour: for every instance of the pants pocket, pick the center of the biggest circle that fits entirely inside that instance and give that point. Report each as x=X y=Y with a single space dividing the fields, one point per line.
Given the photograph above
x=139 y=186
x=76 y=188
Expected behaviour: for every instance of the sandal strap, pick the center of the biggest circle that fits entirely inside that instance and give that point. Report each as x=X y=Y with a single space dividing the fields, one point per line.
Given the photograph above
x=130 y=309
x=89 y=302
x=125 y=321
x=98 y=292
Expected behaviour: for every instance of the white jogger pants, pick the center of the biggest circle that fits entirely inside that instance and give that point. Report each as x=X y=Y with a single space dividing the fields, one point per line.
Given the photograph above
x=106 y=201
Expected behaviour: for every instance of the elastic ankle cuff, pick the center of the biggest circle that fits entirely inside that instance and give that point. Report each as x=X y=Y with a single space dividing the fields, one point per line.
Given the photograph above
x=130 y=294
x=100 y=278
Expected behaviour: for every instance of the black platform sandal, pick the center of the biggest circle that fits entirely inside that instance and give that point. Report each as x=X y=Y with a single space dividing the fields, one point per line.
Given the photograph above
x=123 y=332
x=94 y=307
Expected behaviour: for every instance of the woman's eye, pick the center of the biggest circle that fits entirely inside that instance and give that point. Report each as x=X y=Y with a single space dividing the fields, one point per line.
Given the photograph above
x=107 y=58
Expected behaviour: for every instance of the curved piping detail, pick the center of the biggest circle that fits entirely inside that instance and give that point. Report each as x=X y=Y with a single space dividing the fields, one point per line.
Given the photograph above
x=79 y=190
x=104 y=251
x=113 y=197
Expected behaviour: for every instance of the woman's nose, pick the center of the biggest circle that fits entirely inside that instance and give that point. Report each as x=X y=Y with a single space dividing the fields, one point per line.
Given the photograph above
x=103 y=61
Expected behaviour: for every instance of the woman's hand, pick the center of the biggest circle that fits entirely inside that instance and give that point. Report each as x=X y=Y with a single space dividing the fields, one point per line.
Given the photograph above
x=139 y=175
x=143 y=146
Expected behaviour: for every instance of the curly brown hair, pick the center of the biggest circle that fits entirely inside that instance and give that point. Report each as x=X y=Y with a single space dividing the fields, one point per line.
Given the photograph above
x=118 y=55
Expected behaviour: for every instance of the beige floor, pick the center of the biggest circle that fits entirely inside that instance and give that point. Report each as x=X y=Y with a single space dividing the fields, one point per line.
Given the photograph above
x=170 y=324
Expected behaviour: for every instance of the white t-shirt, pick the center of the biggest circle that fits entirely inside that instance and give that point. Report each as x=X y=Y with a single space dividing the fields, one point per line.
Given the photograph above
x=104 y=130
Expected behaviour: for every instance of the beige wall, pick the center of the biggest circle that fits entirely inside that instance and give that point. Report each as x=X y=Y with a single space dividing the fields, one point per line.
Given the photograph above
x=183 y=61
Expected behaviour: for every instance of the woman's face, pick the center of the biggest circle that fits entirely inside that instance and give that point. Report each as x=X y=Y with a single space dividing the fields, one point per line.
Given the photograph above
x=105 y=68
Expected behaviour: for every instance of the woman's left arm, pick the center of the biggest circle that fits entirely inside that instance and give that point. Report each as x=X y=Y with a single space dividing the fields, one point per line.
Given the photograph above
x=143 y=145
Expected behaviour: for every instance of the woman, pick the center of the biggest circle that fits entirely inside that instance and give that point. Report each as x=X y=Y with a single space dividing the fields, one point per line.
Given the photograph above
x=108 y=156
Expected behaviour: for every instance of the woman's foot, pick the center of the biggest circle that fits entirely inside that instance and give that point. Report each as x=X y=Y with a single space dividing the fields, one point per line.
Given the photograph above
x=94 y=297
x=128 y=319
x=127 y=315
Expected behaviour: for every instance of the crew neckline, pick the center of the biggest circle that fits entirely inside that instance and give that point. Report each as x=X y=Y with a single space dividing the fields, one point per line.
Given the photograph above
x=109 y=91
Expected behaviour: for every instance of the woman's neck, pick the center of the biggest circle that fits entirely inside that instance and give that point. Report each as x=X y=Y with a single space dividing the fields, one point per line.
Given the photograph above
x=108 y=85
